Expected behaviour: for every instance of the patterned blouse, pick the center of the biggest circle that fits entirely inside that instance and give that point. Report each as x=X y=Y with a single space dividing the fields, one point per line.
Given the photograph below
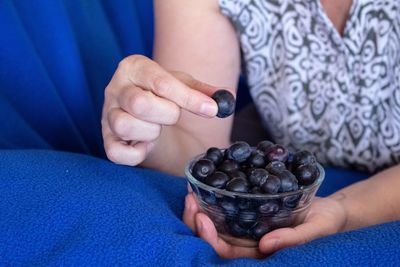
x=337 y=96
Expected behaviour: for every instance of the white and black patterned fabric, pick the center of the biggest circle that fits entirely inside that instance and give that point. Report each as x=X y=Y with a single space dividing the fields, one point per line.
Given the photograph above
x=338 y=96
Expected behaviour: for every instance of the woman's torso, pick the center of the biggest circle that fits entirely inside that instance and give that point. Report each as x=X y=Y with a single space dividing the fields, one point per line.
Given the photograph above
x=338 y=96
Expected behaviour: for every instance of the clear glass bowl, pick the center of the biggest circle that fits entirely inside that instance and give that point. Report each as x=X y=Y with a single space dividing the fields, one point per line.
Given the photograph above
x=241 y=218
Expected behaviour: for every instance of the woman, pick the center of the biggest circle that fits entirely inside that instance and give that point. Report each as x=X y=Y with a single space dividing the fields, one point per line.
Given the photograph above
x=324 y=75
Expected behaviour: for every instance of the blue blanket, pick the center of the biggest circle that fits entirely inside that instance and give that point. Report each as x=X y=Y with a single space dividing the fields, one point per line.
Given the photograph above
x=68 y=209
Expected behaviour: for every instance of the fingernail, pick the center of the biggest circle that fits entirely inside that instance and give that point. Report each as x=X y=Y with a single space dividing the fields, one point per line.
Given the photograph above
x=272 y=244
x=209 y=109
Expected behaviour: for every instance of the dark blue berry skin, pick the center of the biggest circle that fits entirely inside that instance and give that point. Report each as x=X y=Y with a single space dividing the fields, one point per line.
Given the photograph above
x=260 y=230
x=258 y=176
x=271 y=207
x=235 y=229
x=226 y=103
x=217 y=179
x=256 y=190
x=288 y=182
x=276 y=167
x=257 y=159
x=271 y=185
x=303 y=157
x=237 y=185
x=208 y=197
x=264 y=145
x=291 y=202
x=276 y=153
x=203 y=168
x=239 y=151
x=229 y=207
x=247 y=218
x=215 y=155
x=307 y=174
x=237 y=174
x=228 y=166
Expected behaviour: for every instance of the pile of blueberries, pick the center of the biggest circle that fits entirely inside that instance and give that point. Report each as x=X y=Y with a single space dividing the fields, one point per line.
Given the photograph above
x=267 y=169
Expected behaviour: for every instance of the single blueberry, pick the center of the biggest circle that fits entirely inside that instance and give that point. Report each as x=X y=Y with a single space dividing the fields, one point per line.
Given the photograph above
x=215 y=155
x=257 y=159
x=237 y=174
x=288 y=181
x=271 y=185
x=229 y=207
x=237 y=185
x=225 y=101
x=259 y=230
x=228 y=166
x=256 y=190
x=207 y=196
x=244 y=204
x=291 y=202
x=217 y=179
x=303 y=157
x=239 y=151
x=264 y=145
x=276 y=153
x=258 y=177
x=269 y=208
x=275 y=167
x=247 y=218
x=307 y=174
x=235 y=229
x=203 y=168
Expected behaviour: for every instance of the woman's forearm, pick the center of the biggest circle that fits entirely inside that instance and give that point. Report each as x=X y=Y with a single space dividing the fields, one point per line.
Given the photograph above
x=372 y=201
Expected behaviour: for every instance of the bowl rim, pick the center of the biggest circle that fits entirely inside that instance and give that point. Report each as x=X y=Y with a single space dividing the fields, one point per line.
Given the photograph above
x=224 y=192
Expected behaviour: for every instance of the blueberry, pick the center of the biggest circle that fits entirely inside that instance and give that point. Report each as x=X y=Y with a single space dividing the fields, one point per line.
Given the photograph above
x=228 y=166
x=237 y=185
x=229 y=207
x=237 y=174
x=288 y=181
x=276 y=167
x=256 y=190
x=217 y=179
x=235 y=229
x=303 y=157
x=291 y=202
x=257 y=159
x=208 y=196
x=276 y=153
x=239 y=151
x=225 y=101
x=203 y=168
x=258 y=177
x=260 y=230
x=264 y=145
x=215 y=155
x=307 y=174
x=247 y=218
x=270 y=207
x=271 y=185
x=244 y=204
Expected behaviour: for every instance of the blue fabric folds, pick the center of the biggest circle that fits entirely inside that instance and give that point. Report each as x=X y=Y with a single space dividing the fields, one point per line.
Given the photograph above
x=56 y=58
x=60 y=208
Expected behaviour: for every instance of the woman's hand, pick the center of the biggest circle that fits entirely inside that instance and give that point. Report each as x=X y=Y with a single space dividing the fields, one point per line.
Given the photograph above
x=325 y=217
x=140 y=99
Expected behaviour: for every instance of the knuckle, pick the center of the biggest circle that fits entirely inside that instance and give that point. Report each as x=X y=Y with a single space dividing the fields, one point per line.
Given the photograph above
x=175 y=115
x=120 y=126
x=138 y=104
x=161 y=85
x=130 y=61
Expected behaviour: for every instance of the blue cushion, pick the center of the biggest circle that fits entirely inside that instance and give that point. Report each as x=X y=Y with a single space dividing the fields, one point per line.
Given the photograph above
x=68 y=209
